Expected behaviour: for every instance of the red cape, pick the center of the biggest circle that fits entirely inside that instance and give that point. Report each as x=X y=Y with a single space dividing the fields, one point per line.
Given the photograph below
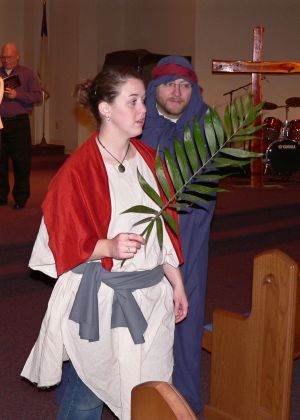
x=77 y=208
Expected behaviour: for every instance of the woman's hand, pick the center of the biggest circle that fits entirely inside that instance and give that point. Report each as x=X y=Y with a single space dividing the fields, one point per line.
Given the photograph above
x=125 y=245
x=180 y=303
x=121 y=247
x=180 y=300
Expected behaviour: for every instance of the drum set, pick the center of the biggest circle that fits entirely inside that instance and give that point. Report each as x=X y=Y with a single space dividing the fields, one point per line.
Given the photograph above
x=283 y=141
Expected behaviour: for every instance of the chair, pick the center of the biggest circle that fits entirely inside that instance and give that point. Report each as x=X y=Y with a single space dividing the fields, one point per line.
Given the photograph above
x=252 y=355
x=156 y=400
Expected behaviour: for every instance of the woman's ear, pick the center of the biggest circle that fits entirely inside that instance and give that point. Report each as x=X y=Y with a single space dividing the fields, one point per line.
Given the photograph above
x=104 y=110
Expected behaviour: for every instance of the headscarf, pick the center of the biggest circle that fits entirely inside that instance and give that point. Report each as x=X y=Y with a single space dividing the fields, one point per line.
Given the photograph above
x=159 y=130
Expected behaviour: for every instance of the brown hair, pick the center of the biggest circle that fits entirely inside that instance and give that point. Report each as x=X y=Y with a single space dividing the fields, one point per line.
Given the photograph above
x=104 y=87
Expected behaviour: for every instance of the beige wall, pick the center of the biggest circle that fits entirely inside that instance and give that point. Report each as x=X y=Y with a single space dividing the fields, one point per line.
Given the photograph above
x=161 y=26
x=12 y=22
x=81 y=32
x=224 y=30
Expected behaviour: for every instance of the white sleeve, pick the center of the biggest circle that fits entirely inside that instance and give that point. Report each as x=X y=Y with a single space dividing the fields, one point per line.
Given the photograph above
x=42 y=258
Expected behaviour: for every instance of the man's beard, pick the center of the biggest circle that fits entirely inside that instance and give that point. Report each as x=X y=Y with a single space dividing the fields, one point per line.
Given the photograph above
x=172 y=111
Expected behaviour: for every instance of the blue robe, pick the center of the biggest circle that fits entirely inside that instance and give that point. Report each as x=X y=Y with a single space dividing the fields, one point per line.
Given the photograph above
x=194 y=230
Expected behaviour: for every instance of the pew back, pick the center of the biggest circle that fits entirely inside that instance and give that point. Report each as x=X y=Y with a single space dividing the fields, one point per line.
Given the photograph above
x=159 y=400
x=252 y=356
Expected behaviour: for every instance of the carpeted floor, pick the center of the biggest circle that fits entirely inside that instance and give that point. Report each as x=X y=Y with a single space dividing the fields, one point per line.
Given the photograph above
x=247 y=221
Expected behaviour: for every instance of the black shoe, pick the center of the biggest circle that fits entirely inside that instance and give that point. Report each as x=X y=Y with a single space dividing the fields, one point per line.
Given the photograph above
x=18 y=206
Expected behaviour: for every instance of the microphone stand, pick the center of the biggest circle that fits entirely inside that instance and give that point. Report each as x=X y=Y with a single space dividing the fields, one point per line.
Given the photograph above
x=230 y=92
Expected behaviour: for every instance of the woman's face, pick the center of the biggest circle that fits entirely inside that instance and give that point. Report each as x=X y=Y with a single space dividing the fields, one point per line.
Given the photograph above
x=127 y=112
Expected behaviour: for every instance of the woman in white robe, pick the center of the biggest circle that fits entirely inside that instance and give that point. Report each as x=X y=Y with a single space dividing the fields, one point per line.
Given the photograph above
x=84 y=223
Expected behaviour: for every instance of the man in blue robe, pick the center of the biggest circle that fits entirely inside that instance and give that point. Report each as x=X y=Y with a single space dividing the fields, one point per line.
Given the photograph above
x=173 y=100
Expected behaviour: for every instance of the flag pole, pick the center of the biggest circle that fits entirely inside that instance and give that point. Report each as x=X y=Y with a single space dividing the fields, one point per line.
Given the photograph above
x=44 y=147
x=43 y=68
x=43 y=141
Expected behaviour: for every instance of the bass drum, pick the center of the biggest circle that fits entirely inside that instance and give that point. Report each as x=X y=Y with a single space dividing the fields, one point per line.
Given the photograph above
x=271 y=130
x=293 y=130
x=282 y=157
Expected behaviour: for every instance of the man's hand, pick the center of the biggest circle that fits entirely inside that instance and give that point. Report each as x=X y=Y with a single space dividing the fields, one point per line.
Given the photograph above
x=10 y=93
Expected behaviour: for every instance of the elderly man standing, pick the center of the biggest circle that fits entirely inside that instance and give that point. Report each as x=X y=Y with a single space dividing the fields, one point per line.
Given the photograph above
x=17 y=104
x=173 y=100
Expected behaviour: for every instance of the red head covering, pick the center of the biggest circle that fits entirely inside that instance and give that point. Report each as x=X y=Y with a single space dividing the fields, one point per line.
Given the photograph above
x=174 y=70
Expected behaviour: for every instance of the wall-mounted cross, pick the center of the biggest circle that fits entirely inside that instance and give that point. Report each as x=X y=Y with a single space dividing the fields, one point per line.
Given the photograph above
x=257 y=68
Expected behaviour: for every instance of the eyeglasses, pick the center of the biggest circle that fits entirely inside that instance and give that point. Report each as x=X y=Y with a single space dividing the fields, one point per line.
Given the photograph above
x=181 y=85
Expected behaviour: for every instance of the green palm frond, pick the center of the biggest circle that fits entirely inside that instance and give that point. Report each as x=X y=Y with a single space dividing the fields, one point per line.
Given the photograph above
x=194 y=168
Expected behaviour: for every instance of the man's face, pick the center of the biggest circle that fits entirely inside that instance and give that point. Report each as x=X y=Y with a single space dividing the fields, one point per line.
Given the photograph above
x=173 y=97
x=9 y=56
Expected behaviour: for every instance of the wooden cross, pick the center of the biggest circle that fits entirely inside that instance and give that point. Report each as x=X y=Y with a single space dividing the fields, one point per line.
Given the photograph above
x=257 y=68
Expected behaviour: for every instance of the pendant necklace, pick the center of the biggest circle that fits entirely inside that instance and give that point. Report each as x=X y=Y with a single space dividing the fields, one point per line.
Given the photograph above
x=121 y=167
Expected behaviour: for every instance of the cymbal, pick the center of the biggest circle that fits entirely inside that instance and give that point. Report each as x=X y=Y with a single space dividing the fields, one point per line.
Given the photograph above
x=293 y=102
x=269 y=106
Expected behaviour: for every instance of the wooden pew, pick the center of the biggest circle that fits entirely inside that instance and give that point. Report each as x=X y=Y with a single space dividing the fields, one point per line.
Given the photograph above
x=252 y=356
x=157 y=400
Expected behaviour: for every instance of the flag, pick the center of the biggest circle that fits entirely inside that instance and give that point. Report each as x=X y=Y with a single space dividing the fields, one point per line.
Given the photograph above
x=42 y=71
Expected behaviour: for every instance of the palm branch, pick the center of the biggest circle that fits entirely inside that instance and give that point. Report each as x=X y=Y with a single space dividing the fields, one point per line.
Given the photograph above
x=198 y=164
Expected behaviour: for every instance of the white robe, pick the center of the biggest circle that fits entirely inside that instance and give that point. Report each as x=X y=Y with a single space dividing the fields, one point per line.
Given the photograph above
x=112 y=366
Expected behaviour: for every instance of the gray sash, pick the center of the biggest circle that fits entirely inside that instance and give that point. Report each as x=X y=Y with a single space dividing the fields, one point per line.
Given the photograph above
x=125 y=310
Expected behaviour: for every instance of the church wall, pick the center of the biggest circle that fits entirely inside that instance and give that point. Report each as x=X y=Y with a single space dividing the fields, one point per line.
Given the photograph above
x=224 y=30
x=163 y=27
x=12 y=22
x=81 y=33
x=159 y=26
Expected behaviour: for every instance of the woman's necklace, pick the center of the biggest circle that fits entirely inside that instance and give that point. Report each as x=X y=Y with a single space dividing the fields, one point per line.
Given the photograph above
x=121 y=167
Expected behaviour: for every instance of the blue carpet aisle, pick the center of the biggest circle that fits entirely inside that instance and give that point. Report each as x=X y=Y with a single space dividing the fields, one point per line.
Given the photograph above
x=247 y=221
